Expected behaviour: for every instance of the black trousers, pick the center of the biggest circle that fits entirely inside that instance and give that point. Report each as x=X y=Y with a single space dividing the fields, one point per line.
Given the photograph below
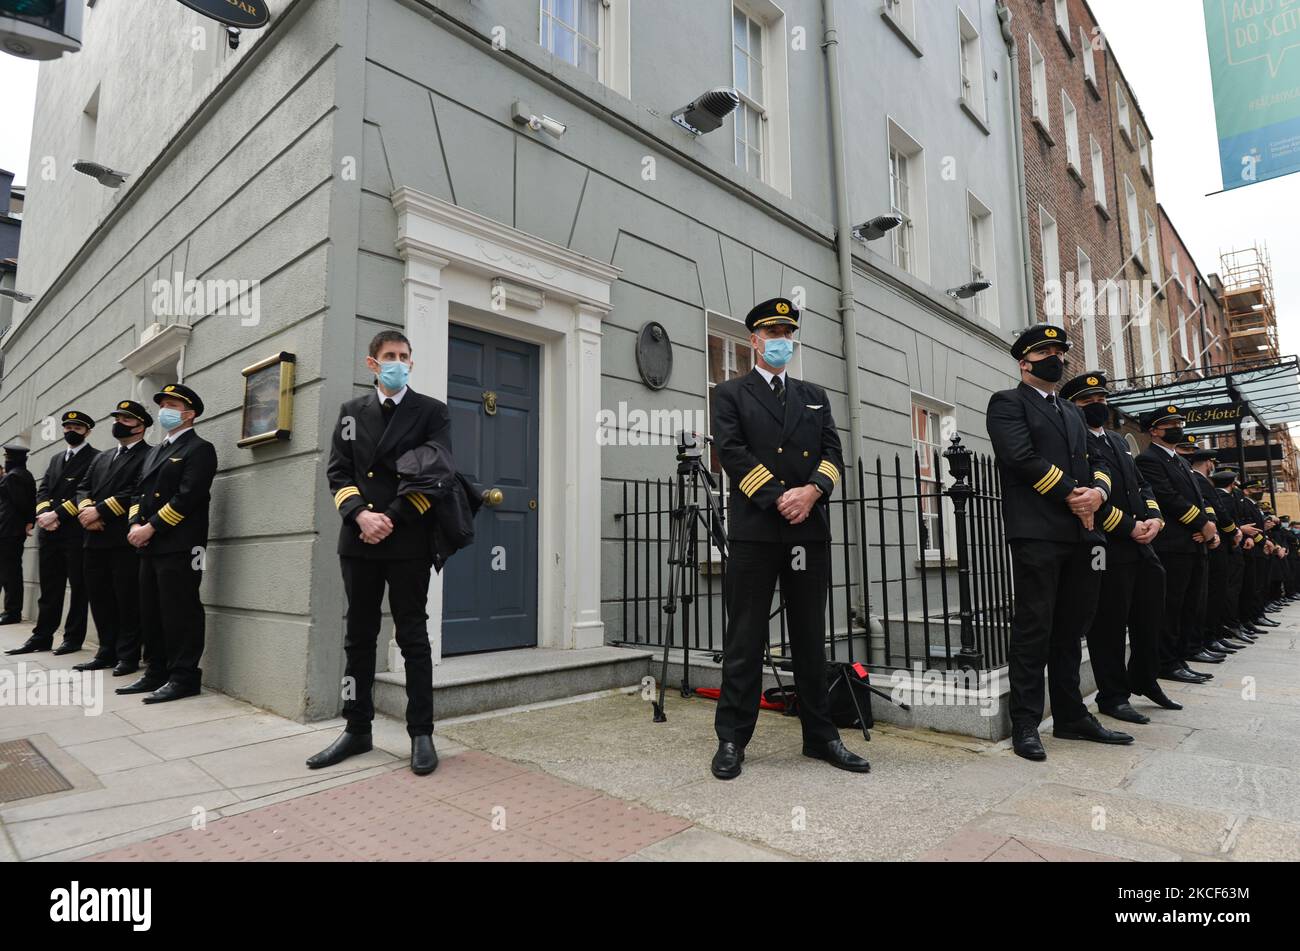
x=1216 y=589
x=113 y=586
x=752 y=572
x=1248 y=607
x=408 y=594
x=172 y=622
x=11 y=574
x=61 y=567
x=1261 y=580
x=1132 y=598
x=1184 y=583
x=1232 y=590
x=1056 y=598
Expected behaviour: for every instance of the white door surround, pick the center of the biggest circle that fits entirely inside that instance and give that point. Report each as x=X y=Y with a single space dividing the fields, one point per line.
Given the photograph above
x=463 y=267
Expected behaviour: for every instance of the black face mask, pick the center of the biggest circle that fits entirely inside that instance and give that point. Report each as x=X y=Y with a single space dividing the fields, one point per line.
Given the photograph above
x=1097 y=414
x=1050 y=369
x=1173 y=435
x=122 y=430
x=73 y=438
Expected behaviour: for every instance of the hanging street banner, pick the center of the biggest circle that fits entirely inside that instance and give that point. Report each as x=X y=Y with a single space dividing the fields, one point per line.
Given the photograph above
x=1255 y=67
x=246 y=14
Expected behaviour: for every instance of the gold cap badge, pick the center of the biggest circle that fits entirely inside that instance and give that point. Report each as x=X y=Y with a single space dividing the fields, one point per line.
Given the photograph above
x=783 y=308
x=1092 y=381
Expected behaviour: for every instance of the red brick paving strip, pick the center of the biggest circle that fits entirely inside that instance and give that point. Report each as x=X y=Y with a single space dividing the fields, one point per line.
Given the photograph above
x=444 y=817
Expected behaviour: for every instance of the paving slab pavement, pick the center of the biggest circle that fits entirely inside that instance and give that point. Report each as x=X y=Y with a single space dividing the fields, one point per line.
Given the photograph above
x=212 y=778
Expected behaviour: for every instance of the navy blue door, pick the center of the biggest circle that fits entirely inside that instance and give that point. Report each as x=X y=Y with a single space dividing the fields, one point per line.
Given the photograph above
x=489 y=590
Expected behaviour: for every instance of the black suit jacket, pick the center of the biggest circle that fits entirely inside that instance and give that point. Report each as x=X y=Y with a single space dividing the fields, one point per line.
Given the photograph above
x=1131 y=500
x=1225 y=508
x=1042 y=457
x=109 y=487
x=1181 y=504
x=766 y=448
x=173 y=493
x=363 y=474
x=57 y=492
x=17 y=503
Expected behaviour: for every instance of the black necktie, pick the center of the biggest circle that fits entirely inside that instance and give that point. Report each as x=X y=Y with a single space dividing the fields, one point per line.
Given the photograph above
x=779 y=389
x=389 y=409
x=1051 y=398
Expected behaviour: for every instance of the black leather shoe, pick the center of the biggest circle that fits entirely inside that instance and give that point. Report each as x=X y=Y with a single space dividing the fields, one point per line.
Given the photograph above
x=32 y=645
x=1200 y=675
x=1239 y=641
x=1089 y=728
x=1251 y=629
x=122 y=669
x=1222 y=647
x=1159 y=698
x=349 y=744
x=1206 y=657
x=838 y=755
x=1125 y=712
x=145 y=684
x=1266 y=622
x=171 y=691
x=726 y=762
x=1025 y=742
x=94 y=664
x=66 y=648
x=1182 y=675
x=424 y=758
x=11 y=619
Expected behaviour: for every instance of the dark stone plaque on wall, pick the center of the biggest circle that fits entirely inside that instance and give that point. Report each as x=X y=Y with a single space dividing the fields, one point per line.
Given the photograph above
x=654 y=355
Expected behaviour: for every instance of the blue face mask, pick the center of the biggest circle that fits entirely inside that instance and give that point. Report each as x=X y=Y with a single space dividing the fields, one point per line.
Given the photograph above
x=394 y=375
x=169 y=418
x=778 y=351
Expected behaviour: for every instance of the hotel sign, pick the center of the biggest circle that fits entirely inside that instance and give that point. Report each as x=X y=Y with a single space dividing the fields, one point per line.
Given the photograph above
x=245 y=14
x=1215 y=414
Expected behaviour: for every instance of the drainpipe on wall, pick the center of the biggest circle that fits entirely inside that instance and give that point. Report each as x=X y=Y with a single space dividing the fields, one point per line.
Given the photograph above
x=846 y=310
x=1017 y=126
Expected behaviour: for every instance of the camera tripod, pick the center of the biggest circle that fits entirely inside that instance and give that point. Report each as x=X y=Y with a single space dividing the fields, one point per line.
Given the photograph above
x=685 y=521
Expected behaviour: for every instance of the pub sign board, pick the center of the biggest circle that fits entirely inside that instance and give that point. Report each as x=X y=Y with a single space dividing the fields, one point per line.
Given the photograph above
x=245 y=14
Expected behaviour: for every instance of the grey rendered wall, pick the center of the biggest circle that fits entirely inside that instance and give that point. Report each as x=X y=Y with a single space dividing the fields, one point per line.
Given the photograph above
x=243 y=193
x=702 y=235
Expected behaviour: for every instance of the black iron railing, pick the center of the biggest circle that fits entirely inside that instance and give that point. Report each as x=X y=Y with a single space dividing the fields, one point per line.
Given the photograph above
x=920 y=573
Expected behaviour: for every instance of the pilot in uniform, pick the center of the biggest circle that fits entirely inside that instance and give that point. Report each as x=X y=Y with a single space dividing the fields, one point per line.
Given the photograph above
x=1133 y=580
x=1181 y=545
x=1053 y=488
x=17 y=515
x=112 y=567
x=169 y=530
x=778 y=445
x=59 y=541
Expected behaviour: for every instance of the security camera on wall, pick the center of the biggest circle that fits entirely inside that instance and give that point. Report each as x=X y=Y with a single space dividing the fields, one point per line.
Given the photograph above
x=40 y=29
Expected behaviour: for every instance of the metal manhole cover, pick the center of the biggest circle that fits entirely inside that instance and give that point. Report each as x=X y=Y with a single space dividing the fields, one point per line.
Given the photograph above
x=25 y=773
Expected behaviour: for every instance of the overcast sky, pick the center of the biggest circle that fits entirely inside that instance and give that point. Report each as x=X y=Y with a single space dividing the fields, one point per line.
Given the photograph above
x=1161 y=46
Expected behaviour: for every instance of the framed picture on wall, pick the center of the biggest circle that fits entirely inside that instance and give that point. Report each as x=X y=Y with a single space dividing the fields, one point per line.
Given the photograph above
x=268 y=400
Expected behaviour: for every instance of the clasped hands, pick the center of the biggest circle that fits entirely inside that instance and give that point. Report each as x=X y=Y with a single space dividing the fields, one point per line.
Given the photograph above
x=90 y=519
x=1146 y=530
x=796 y=504
x=375 y=526
x=1084 y=502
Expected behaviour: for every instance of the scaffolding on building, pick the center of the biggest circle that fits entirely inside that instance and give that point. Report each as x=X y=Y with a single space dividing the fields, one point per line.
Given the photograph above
x=1248 y=305
x=1251 y=317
